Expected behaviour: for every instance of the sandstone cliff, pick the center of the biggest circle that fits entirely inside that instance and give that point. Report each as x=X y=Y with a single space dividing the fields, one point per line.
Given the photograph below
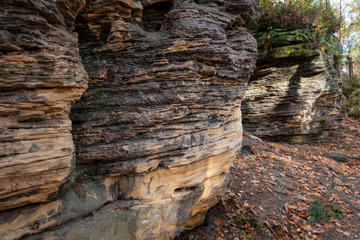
x=294 y=94
x=41 y=76
x=155 y=132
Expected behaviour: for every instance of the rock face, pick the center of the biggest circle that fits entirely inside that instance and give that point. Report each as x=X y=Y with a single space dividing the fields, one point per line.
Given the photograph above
x=294 y=94
x=41 y=76
x=155 y=132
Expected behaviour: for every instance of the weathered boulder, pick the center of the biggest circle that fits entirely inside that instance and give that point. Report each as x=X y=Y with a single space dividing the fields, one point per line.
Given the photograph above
x=294 y=94
x=158 y=127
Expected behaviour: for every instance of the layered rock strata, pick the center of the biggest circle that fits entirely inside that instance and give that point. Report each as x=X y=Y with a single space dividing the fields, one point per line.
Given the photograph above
x=294 y=94
x=158 y=127
x=41 y=76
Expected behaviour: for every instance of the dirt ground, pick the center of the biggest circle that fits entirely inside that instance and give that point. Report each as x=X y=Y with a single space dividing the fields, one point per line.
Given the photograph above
x=270 y=192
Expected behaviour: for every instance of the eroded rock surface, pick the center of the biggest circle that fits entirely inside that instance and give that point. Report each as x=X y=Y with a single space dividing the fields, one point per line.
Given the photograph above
x=294 y=94
x=159 y=125
x=41 y=76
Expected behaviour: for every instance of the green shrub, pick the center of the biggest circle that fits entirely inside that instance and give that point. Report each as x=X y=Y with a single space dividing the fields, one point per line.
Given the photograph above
x=323 y=210
x=351 y=96
x=299 y=14
x=319 y=20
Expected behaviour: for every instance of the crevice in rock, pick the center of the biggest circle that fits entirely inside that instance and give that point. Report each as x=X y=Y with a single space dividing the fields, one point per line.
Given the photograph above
x=154 y=15
x=88 y=38
x=199 y=188
x=162 y=165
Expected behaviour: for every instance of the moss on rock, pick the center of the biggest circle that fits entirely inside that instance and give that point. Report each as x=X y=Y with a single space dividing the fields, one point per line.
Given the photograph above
x=297 y=50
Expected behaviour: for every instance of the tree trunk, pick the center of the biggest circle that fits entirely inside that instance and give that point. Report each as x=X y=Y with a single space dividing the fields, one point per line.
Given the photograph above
x=350 y=67
x=340 y=30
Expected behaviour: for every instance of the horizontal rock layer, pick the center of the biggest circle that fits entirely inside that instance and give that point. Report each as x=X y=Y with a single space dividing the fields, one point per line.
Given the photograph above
x=95 y=209
x=294 y=94
x=162 y=115
x=157 y=129
x=41 y=76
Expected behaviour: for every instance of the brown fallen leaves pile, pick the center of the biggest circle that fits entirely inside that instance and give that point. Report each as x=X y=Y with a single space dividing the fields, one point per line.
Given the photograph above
x=270 y=192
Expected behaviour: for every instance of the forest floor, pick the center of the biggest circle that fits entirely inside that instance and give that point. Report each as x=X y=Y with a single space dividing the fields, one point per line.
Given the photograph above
x=285 y=191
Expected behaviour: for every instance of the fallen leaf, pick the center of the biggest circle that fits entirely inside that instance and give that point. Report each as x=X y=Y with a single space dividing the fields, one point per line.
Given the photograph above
x=339 y=230
x=307 y=228
x=292 y=207
x=218 y=222
x=328 y=225
x=301 y=198
x=334 y=197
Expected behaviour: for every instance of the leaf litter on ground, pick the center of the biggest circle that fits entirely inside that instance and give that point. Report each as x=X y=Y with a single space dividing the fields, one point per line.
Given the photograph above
x=270 y=193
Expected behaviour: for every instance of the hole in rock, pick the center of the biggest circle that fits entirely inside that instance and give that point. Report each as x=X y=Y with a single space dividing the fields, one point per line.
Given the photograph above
x=88 y=38
x=201 y=1
x=154 y=15
x=219 y=3
x=162 y=165
x=183 y=189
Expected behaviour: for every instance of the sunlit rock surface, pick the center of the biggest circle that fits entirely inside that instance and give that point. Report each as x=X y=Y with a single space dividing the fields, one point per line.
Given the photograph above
x=294 y=94
x=155 y=132
x=41 y=76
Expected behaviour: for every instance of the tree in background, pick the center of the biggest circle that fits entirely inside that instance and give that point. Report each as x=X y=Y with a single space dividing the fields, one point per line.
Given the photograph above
x=349 y=35
x=341 y=17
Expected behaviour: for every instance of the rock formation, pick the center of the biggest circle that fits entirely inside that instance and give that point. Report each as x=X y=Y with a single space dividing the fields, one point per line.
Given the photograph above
x=294 y=94
x=155 y=132
x=41 y=76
